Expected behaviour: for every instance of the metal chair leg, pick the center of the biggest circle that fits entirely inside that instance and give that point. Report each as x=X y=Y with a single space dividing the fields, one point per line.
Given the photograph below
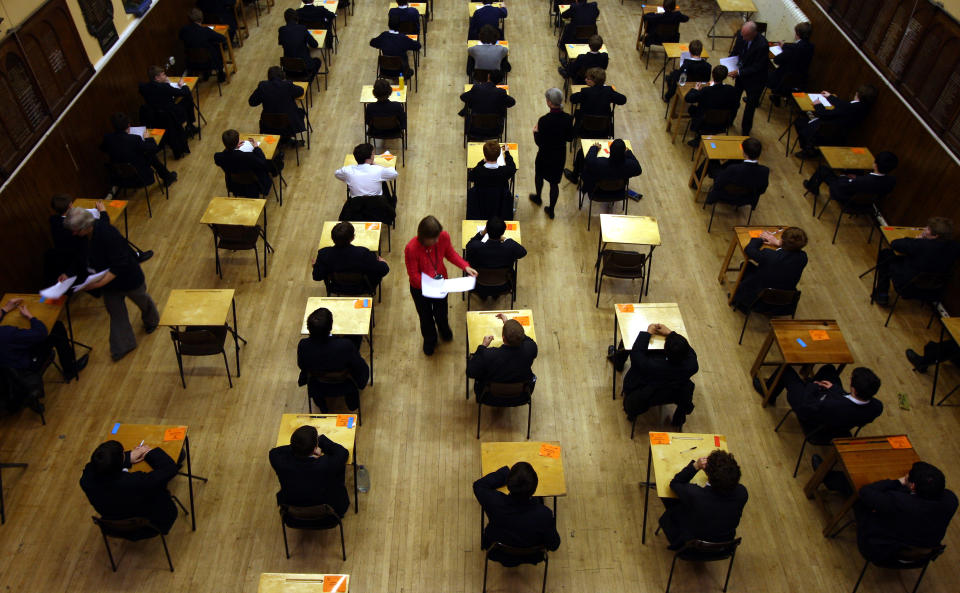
x=529 y=415
x=163 y=540
x=670 y=578
x=479 y=410
x=744 y=328
x=113 y=564
x=286 y=548
x=803 y=446
x=782 y=420
x=836 y=230
x=862 y=572
x=546 y=565
x=486 y=561
x=893 y=307
x=227 y=366
x=729 y=570
x=343 y=546
x=920 y=578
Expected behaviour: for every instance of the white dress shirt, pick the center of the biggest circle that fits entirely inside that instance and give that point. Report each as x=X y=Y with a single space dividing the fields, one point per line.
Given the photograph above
x=365 y=179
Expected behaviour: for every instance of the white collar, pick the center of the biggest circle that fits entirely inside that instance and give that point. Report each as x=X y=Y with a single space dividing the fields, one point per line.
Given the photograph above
x=749 y=161
x=493 y=165
x=392 y=31
x=856 y=401
x=878 y=174
x=695 y=58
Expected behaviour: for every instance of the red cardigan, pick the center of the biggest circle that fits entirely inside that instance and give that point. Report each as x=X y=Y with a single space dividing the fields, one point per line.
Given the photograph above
x=429 y=260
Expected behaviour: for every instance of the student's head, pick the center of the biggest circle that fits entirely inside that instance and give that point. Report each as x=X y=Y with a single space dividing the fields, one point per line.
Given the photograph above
x=495 y=228
x=428 y=230
x=696 y=47
x=363 y=152
x=669 y=5
x=107 y=458
x=290 y=16
x=342 y=234
x=885 y=162
x=78 y=221
x=752 y=148
x=402 y=3
x=722 y=471
x=274 y=73
x=488 y=1
x=719 y=73
x=748 y=31
x=867 y=93
x=940 y=228
x=618 y=150
x=155 y=73
x=231 y=139
x=491 y=150
x=393 y=22
x=513 y=333
x=928 y=481
x=60 y=203
x=595 y=42
x=488 y=34
x=864 y=383
x=793 y=239
x=382 y=89
x=803 y=30
x=319 y=323
x=308 y=1
x=303 y=441
x=596 y=76
x=522 y=480
x=195 y=15
x=120 y=122
x=554 y=98
x=676 y=347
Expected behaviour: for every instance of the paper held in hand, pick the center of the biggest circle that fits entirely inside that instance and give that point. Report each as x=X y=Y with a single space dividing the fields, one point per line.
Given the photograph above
x=732 y=63
x=59 y=289
x=90 y=280
x=817 y=97
x=440 y=287
x=776 y=50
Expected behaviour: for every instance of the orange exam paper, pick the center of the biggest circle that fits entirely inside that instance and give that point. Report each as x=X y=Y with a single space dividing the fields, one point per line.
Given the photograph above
x=331 y=581
x=659 y=438
x=175 y=434
x=900 y=442
x=625 y=308
x=819 y=334
x=342 y=419
x=551 y=451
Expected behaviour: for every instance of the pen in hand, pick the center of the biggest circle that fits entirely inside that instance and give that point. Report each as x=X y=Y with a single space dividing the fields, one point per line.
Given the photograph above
x=690 y=449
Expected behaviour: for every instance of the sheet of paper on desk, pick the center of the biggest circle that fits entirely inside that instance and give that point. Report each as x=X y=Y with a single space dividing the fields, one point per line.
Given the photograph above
x=814 y=97
x=175 y=85
x=90 y=280
x=138 y=131
x=57 y=290
x=732 y=63
x=245 y=146
x=776 y=50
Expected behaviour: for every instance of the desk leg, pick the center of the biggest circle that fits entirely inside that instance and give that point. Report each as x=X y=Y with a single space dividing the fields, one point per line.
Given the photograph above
x=596 y=265
x=370 y=340
x=727 y=258
x=356 y=487
x=614 y=382
x=828 y=531
x=3 y=516
x=193 y=511
x=713 y=29
x=818 y=476
x=703 y=177
x=768 y=390
x=236 y=335
x=554 y=509
x=466 y=377
x=736 y=285
x=693 y=174
x=646 y=497
x=764 y=349
x=649 y=269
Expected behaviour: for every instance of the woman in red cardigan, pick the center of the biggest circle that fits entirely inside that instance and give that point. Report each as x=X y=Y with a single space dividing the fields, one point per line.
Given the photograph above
x=424 y=254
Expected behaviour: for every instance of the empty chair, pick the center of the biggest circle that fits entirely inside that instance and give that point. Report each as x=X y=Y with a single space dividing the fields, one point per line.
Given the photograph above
x=237 y=238
x=133 y=529
x=702 y=551
x=505 y=395
x=316 y=518
x=772 y=301
x=628 y=265
x=125 y=176
x=512 y=556
x=200 y=341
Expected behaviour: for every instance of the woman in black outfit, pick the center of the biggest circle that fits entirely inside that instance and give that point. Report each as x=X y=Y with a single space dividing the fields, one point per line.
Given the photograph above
x=551 y=134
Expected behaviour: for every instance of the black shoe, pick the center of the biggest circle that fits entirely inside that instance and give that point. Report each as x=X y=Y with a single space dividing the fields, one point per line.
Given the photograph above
x=78 y=366
x=758 y=387
x=221 y=76
x=810 y=187
x=775 y=99
x=882 y=299
x=446 y=334
x=571 y=176
x=150 y=329
x=170 y=179
x=617 y=357
x=117 y=357
x=549 y=212
x=693 y=142
x=917 y=361
x=816 y=460
x=536 y=199
x=144 y=255
x=428 y=347
x=204 y=77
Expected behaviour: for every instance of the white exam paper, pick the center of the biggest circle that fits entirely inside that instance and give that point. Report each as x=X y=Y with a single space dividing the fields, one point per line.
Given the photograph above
x=776 y=50
x=138 y=131
x=57 y=290
x=438 y=288
x=245 y=146
x=732 y=63
x=90 y=280
x=814 y=97
x=94 y=212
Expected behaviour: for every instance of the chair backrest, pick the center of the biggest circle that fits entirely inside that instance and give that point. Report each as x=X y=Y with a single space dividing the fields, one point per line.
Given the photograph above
x=383 y=122
x=245 y=179
x=389 y=62
x=703 y=551
x=483 y=74
x=623 y=264
x=124 y=174
x=277 y=121
x=294 y=68
x=584 y=32
x=352 y=283
x=133 y=528
x=313 y=517
x=666 y=31
x=485 y=121
x=925 y=283
x=407 y=27
x=198 y=56
x=611 y=186
x=916 y=557
x=831 y=133
x=595 y=123
x=200 y=340
x=236 y=238
x=337 y=377
x=775 y=297
x=862 y=201
x=494 y=276
x=502 y=552
x=495 y=393
x=717 y=118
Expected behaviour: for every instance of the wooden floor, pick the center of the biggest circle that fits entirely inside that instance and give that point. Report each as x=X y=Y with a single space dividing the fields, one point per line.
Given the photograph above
x=417 y=528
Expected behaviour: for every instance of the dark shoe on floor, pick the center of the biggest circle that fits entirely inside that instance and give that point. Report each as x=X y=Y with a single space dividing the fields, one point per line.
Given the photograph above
x=917 y=361
x=571 y=176
x=446 y=334
x=810 y=187
x=118 y=357
x=77 y=367
x=150 y=329
x=428 y=347
x=882 y=299
x=693 y=142
x=617 y=358
x=170 y=179
x=144 y=255
x=221 y=76
x=536 y=199
x=549 y=212
x=757 y=385
x=816 y=460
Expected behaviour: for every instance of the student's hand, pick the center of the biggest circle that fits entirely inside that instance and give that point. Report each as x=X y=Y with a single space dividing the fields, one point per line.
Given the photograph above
x=470 y=271
x=12 y=304
x=25 y=312
x=596 y=145
x=316 y=452
x=313 y=261
x=698 y=86
x=823 y=384
x=700 y=463
x=770 y=239
x=733 y=74
x=487 y=340
x=138 y=453
x=61 y=277
x=100 y=206
x=536 y=127
x=380 y=259
x=652 y=329
x=826 y=93
x=905 y=480
x=502 y=317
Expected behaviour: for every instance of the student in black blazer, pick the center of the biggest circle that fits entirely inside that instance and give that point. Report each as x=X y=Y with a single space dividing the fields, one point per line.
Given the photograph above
x=779 y=267
x=676 y=362
x=793 y=62
x=311 y=471
x=494 y=252
x=747 y=173
x=821 y=402
x=914 y=510
x=595 y=99
x=220 y=12
x=297 y=41
x=510 y=363
x=551 y=135
x=384 y=107
x=486 y=15
x=234 y=160
x=703 y=98
x=620 y=163
x=669 y=16
x=177 y=101
x=516 y=519
x=196 y=36
x=279 y=96
x=695 y=67
x=490 y=196
x=123 y=147
x=404 y=13
x=343 y=256
x=393 y=43
x=710 y=513
x=844 y=117
x=581 y=14
x=119 y=494
x=311 y=14
x=321 y=353
x=934 y=252
x=752 y=51
x=844 y=187
x=576 y=70
x=484 y=97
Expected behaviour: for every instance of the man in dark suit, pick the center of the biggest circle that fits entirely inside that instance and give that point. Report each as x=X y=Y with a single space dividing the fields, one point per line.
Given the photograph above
x=581 y=14
x=393 y=43
x=673 y=365
x=695 y=67
x=843 y=187
x=116 y=493
x=516 y=519
x=841 y=119
x=404 y=13
x=779 y=267
x=934 y=252
x=703 y=98
x=297 y=41
x=311 y=471
x=220 y=12
x=312 y=15
x=747 y=173
x=488 y=249
x=510 y=363
x=486 y=15
x=323 y=353
x=752 y=51
x=171 y=103
x=279 y=96
x=195 y=36
x=243 y=158
x=343 y=256
x=912 y=511
x=710 y=513
x=490 y=195
x=576 y=70
x=141 y=152
x=619 y=163
x=669 y=16
x=484 y=97
x=792 y=63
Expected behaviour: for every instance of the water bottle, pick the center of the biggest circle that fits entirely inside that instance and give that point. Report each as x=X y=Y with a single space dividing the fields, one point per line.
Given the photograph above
x=363 y=479
x=401 y=82
x=683 y=78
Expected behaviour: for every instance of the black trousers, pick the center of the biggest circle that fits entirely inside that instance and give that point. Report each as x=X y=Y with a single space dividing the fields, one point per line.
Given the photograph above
x=433 y=315
x=934 y=351
x=753 y=94
x=884 y=275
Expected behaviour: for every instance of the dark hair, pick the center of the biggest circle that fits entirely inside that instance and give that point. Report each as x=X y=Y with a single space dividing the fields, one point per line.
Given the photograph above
x=793 y=239
x=382 y=89
x=865 y=381
x=513 y=333
x=927 y=480
x=669 y=5
x=393 y=22
x=618 y=152
x=274 y=73
x=676 y=347
x=195 y=15
x=719 y=73
x=61 y=203
x=107 y=458
x=342 y=234
x=303 y=441
x=696 y=47
x=803 y=31
x=153 y=72
x=429 y=228
x=522 y=480
x=722 y=471
x=595 y=42
x=488 y=34
x=362 y=152
x=231 y=139
x=491 y=150
x=119 y=121
x=495 y=227
x=867 y=93
x=319 y=323
x=886 y=161
x=290 y=15
x=941 y=227
x=597 y=75
x=752 y=148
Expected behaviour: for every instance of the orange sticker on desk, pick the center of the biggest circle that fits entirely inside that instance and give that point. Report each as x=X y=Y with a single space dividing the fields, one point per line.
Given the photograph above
x=523 y=320
x=188 y=79
x=799 y=94
x=334 y=584
x=372 y=226
x=387 y=157
x=175 y=434
x=317 y=31
x=684 y=47
x=625 y=308
x=511 y=226
x=157 y=132
x=270 y=139
x=343 y=419
x=511 y=146
x=551 y=451
x=858 y=150
x=362 y=303
x=900 y=442
x=117 y=203
x=819 y=334
x=755 y=234
x=716 y=441
x=659 y=438
x=888 y=228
